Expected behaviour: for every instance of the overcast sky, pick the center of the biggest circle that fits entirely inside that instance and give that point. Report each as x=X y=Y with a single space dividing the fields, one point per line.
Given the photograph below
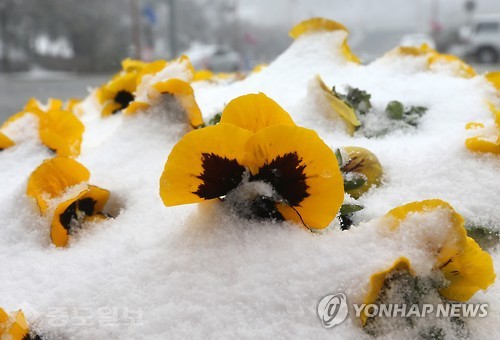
x=366 y=14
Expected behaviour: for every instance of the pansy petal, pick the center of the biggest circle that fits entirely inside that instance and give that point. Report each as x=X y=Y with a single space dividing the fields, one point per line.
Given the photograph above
x=314 y=25
x=135 y=107
x=109 y=108
x=322 y=24
x=185 y=95
x=457 y=237
x=462 y=69
x=54 y=104
x=468 y=272
x=203 y=75
x=255 y=112
x=132 y=65
x=348 y=53
x=479 y=144
x=340 y=107
x=494 y=78
x=151 y=68
x=13 y=327
x=61 y=131
x=5 y=142
x=54 y=176
x=204 y=164
x=302 y=169
x=377 y=281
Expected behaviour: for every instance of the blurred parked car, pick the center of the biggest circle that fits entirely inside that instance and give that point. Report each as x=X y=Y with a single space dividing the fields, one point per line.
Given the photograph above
x=417 y=39
x=217 y=58
x=480 y=40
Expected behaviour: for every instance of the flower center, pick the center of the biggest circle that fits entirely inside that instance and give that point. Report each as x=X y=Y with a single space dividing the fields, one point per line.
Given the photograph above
x=74 y=214
x=123 y=98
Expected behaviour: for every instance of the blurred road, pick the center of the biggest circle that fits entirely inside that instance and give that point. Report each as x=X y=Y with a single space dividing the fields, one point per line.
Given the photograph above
x=16 y=89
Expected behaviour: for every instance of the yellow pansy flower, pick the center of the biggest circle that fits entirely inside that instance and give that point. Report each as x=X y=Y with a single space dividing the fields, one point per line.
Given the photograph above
x=322 y=24
x=462 y=261
x=160 y=79
x=466 y=267
x=299 y=171
x=184 y=94
x=59 y=129
x=434 y=59
x=70 y=214
x=364 y=162
x=118 y=93
x=50 y=181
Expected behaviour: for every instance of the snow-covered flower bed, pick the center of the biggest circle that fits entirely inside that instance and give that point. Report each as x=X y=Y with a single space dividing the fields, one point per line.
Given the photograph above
x=323 y=175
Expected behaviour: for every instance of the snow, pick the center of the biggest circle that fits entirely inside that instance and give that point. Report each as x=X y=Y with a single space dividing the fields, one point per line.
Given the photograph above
x=197 y=271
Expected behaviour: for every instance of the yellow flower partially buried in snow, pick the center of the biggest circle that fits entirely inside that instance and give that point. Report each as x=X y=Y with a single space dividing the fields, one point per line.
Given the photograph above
x=325 y=25
x=339 y=107
x=167 y=81
x=13 y=326
x=258 y=162
x=489 y=140
x=49 y=185
x=464 y=264
x=119 y=92
x=435 y=61
x=59 y=129
x=361 y=171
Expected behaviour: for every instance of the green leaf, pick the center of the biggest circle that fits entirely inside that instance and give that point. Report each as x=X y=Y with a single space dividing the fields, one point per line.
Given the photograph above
x=350 y=208
x=215 y=119
x=354 y=183
x=338 y=155
x=485 y=237
x=416 y=110
x=358 y=99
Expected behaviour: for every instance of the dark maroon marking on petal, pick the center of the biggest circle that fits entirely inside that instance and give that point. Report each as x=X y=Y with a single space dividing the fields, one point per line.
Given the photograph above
x=68 y=215
x=220 y=175
x=123 y=98
x=87 y=205
x=286 y=175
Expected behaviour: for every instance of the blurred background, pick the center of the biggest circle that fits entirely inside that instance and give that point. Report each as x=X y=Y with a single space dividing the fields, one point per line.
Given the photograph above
x=58 y=47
